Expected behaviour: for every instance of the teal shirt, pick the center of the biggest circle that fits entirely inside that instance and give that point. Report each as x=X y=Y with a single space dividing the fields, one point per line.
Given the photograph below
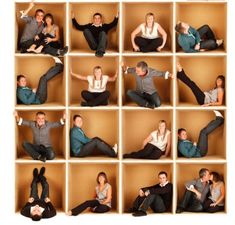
x=77 y=139
x=188 y=41
x=187 y=149
x=27 y=96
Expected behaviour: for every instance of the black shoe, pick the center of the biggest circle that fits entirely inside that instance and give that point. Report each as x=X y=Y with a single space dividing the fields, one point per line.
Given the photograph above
x=150 y=106
x=42 y=158
x=63 y=51
x=99 y=54
x=132 y=210
x=35 y=173
x=179 y=210
x=139 y=213
x=42 y=171
x=84 y=104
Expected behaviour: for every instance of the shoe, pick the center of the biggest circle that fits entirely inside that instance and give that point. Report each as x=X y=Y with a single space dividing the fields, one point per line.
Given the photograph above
x=179 y=210
x=35 y=173
x=84 y=104
x=115 y=148
x=219 y=42
x=218 y=114
x=139 y=213
x=99 y=54
x=42 y=158
x=150 y=106
x=42 y=171
x=63 y=51
x=131 y=210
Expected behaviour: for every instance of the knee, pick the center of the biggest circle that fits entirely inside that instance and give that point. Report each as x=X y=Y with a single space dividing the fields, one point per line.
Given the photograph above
x=25 y=144
x=86 y=31
x=84 y=93
x=103 y=34
x=130 y=93
x=107 y=94
x=212 y=44
x=205 y=26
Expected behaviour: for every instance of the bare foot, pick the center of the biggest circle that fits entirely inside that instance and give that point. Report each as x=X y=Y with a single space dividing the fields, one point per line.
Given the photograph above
x=179 y=67
x=219 y=42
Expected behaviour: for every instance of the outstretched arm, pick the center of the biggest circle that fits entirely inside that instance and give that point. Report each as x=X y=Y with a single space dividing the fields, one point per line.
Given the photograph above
x=164 y=37
x=147 y=140
x=78 y=76
x=168 y=146
x=25 y=12
x=133 y=35
x=113 y=78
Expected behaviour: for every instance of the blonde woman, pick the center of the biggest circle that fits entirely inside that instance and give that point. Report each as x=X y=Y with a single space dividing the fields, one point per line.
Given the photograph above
x=153 y=36
x=102 y=201
x=156 y=145
x=96 y=94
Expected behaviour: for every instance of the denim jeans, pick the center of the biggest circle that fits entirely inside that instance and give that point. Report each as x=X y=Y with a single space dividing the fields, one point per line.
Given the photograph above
x=34 y=188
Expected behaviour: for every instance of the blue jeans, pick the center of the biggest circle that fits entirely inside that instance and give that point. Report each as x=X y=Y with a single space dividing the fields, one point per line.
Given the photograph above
x=143 y=99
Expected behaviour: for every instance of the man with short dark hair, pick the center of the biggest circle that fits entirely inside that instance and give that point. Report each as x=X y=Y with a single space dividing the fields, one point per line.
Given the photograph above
x=96 y=32
x=195 y=193
x=158 y=197
x=41 y=149
x=145 y=94
x=37 y=208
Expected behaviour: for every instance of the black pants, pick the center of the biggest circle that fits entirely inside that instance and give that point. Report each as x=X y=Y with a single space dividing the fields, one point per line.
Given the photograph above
x=25 y=45
x=96 y=98
x=34 y=188
x=98 y=45
x=148 y=45
x=198 y=93
x=207 y=36
x=212 y=209
x=149 y=152
x=94 y=204
x=154 y=201
x=190 y=202
x=96 y=143
x=35 y=151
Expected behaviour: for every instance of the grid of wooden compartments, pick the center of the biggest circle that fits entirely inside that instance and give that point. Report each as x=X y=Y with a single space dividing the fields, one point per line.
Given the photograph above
x=121 y=122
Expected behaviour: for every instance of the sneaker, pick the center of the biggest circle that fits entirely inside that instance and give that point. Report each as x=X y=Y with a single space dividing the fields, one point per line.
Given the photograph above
x=150 y=106
x=35 y=173
x=139 y=213
x=115 y=148
x=131 y=210
x=42 y=171
x=63 y=51
x=179 y=210
x=84 y=104
x=218 y=114
x=219 y=42
x=99 y=54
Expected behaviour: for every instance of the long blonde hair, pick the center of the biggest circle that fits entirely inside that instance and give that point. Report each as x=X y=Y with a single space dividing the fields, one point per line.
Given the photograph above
x=146 y=25
x=94 y=69
x=158 y=131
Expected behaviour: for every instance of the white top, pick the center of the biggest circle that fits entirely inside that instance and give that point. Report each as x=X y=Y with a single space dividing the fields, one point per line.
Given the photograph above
x=102 y=195
x=158 y=141
x=97 y=85
x=216 y=193
x=33 y=207
x=146 y=31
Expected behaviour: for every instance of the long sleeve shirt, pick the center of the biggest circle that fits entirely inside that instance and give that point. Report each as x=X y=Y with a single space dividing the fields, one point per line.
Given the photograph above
x=188 y=149
x=165 y=192
x=49 y=210
x=95 y=30
x=188 y=41
x=77 y=139
x=202 y=187
x=26 y=96
x=41 y=135
x=145 y=83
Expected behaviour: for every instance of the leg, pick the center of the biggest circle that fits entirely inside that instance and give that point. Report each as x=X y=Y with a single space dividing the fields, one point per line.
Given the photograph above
x=137 y=97
x=87 y=149
x=211 y=209
x=149 y=200
x=87 y=95
x=45 y=187
x=31 y=149
x=198 y=93
x=25 y=45
x=142 y=43
x=203 y=137
x=101 y=209
x=206 y=33
x=195 y=205
x=50 y=50
x=104 y=147
x=34 y=189
x=154 y=99
x=186 y=200
x=137 y=203
x=158 y=205
x=100 y=98
x=208 y=44
x=102 y=42
x=42 y=86
x=153 y=44
x=90 y=39
x=80 y=208
x=50 y=154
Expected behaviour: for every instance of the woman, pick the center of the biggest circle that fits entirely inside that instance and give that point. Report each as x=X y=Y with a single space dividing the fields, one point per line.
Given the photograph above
x=97 y=93
x=50 y=37
x=156 y=145
x=153 y=36
x=215 y=201
x=102 y=201
x=213 y=97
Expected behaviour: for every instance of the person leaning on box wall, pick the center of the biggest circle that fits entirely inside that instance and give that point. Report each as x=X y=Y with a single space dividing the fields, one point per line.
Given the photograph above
x=41 y=149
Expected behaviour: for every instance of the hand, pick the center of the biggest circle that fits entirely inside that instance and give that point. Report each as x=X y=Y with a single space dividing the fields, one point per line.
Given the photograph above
x=64 y=116
x=117 y=14
x=31 y=4
x=195 y=143
x=34 y=90
x=48 y=40
x=69 y=213
x=202 y=50
x=205 y=105
x=159 y=48
x=197 y=46
x=72 y=14
x=36 y=38
x=124 y=67
x=171 y=75
x=146 y=193
x=141 y=193
x=47 y=200
x=136 y=48
x=163 y=156
x=15 y=114
x=31 y=199
x=213 y=204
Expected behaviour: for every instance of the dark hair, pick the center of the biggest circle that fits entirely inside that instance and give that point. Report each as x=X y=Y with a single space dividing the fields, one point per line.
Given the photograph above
x=97 y=14
x=39 y=10
x=49 y=15
x=143 y=65
x=180 y=130
x=36 y=217
x=19 y=77
x=162 y=173
x=222 y=78
x=76 y=116
x=216 y=176
x=40 y=113
x=179 y=28
x=202 y=172
x=103 y=174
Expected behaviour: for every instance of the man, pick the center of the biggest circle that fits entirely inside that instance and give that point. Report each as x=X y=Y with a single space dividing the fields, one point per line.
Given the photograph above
x=37 y=208
x=157 y=197
x=41 y=149
x=189 y=149
x=146 y=94
x=96 y=32
x=196 y=193
x=192 y=40
x=27 y=96
x=34 y=26
x=82 y=146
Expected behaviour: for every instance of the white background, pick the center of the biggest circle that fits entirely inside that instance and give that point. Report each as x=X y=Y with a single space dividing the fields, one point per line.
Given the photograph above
x=7 y=148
